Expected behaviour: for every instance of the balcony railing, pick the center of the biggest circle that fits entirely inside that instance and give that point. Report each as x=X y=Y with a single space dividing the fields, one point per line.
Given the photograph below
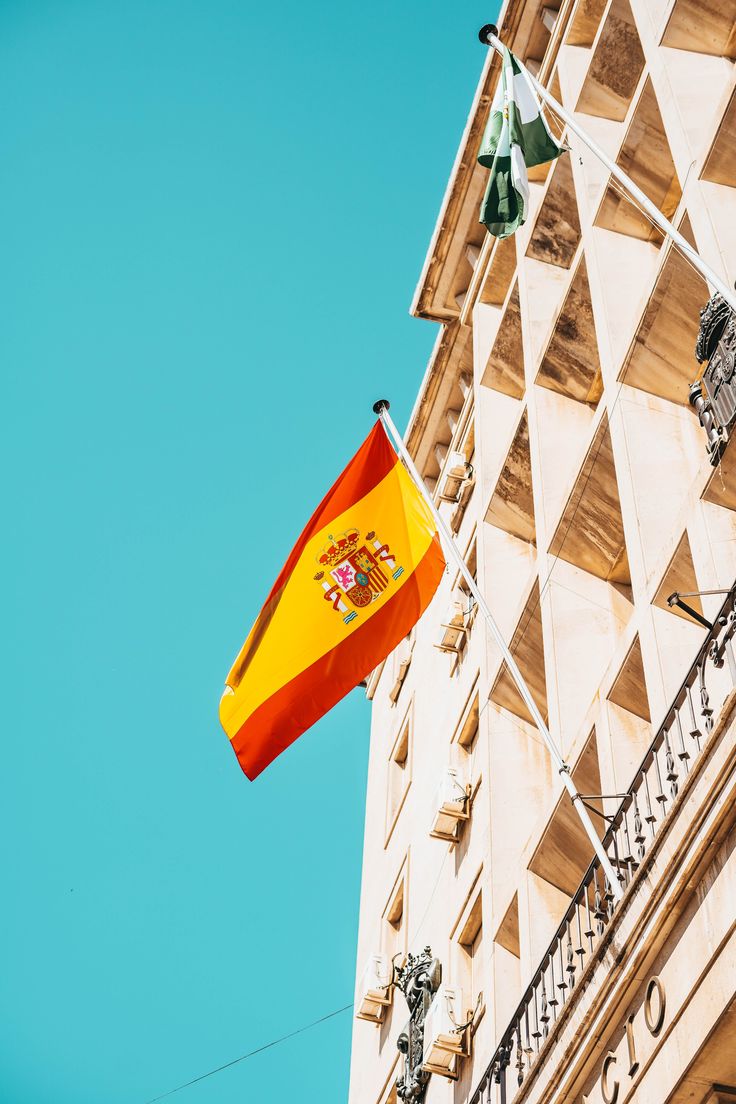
x=648 y=802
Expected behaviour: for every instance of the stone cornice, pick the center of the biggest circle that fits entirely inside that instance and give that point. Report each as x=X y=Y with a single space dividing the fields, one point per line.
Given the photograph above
x=459 y=215
x=424 y=304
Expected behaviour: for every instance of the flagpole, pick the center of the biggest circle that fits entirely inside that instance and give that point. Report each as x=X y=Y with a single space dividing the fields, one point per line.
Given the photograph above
x=381 y=409
x=489 y=37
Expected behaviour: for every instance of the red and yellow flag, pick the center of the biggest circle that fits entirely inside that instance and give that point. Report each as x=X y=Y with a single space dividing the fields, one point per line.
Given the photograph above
x=359 y=577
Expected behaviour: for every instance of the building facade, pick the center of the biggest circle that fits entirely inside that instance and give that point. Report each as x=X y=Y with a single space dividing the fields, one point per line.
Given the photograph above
x=555 y=428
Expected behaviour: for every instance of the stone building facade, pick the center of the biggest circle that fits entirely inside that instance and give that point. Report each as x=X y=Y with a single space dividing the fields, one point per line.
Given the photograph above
x=554 y=427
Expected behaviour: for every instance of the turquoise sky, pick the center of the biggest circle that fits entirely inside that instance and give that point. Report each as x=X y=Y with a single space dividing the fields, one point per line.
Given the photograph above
x=212 y=219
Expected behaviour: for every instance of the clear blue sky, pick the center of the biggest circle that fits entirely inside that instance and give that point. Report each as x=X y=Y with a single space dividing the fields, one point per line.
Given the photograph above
x=212 y=218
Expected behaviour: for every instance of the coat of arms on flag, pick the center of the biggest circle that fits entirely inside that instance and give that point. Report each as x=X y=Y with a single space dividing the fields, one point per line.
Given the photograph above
x=355 y=571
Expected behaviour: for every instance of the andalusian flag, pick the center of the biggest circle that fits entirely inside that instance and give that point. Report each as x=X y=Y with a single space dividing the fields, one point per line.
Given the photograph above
x=360 y=576
x=517 y=137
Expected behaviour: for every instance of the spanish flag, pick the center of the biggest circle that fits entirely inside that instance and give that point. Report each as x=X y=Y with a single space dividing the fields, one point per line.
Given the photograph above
x=359 y=577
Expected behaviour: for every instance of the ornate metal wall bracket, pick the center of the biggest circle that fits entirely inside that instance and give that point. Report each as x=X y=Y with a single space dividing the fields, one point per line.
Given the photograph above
x=418 y=979
x=713 y=396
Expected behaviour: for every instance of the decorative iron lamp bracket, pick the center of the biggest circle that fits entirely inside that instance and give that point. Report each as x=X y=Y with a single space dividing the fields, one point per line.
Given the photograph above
x=418 y=979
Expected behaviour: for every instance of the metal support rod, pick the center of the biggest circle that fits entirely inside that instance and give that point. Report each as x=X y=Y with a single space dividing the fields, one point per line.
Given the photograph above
x=676 y=600
x=603 y=797
x=489 y=36
x=381 y=409
x=604 y=816
x=697 y=593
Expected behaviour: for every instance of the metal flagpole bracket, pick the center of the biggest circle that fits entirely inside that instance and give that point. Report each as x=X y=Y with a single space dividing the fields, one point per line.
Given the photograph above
x=452 y=551
x=675 y=599
x=484 y=32
x=587 y=798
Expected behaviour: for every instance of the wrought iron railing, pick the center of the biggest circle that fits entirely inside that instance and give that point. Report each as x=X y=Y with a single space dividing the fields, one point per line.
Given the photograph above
x=647 y=803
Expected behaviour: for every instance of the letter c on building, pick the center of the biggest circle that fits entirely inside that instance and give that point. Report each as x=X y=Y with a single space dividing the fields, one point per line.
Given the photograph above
x=609 y=1091
x=654 y=1010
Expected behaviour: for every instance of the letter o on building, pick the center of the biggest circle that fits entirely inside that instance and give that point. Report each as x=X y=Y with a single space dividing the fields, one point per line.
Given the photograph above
x=609 y=1091
x=654 y=1006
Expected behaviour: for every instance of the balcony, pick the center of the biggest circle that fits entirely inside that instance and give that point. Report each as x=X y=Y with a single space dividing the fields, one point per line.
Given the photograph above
x=679 y=787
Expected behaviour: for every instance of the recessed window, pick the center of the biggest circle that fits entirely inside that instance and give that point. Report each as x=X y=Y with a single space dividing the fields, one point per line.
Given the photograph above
x=463 y=589
x=507 y=955
x=471 y=559
x=466 y=487
x=401 y=661
x=466 y=735
x=393 y=933
x=461 y=614
x=399 y=773
x=469 y=959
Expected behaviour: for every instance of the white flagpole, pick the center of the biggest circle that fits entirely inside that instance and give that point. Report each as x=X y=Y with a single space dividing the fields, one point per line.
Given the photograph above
x=489 y=36
x=381 y=409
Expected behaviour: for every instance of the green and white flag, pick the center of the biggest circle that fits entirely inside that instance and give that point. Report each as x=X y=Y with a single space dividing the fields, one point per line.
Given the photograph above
x=516 y=138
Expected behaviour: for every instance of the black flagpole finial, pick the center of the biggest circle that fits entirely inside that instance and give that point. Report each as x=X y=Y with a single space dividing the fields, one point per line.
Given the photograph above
x=380 y=406
x=483 y=33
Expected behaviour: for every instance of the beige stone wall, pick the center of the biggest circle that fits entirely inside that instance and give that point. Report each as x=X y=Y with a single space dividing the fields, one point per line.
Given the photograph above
x=561 y=372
